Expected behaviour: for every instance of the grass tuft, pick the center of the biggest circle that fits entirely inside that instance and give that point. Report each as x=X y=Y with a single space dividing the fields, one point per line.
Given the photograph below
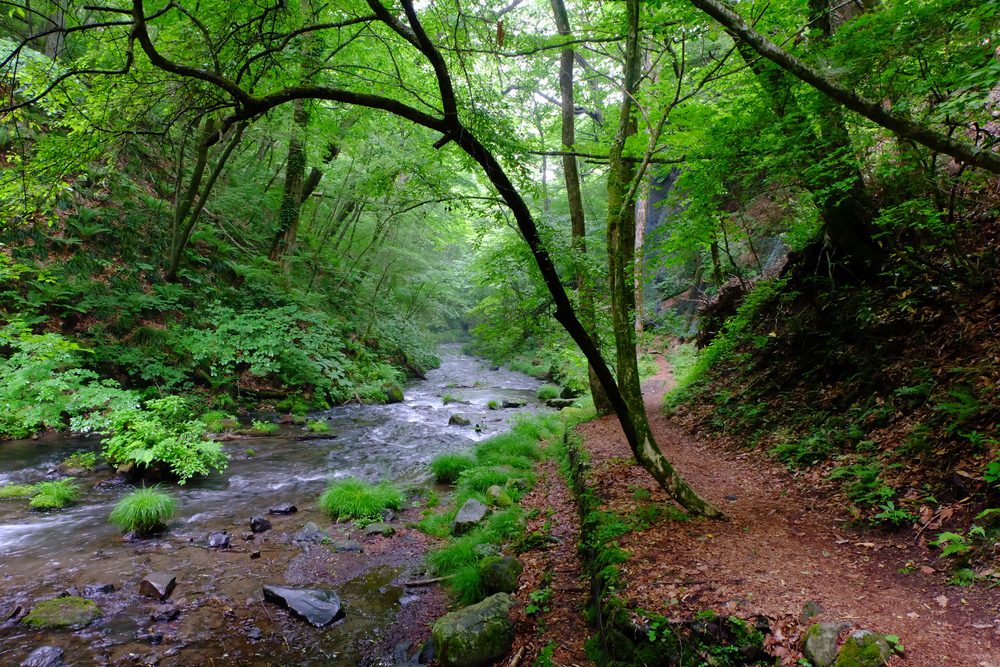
x=10 y=491
x=448 y=467
x=143 y=511
x=547 y=391
x=350 y=498
x=54 y=495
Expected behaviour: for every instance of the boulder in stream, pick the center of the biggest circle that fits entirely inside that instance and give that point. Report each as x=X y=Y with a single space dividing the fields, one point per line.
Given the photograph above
x=44 y=656
x=317 y=606
x=476 y=635
x=458 y=420
x=258 y=524
x=64 y=612
x=158 y=585
x=218 y=540
x=393 y=393
x=283 y=509
x=509 y=404
x=90 y=590
x=470 y=516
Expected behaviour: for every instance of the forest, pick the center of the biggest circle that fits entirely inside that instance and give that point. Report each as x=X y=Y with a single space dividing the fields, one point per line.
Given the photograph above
x=534 y=332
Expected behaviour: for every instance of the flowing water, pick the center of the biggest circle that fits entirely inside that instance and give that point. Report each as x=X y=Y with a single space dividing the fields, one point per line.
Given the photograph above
x=223 y=617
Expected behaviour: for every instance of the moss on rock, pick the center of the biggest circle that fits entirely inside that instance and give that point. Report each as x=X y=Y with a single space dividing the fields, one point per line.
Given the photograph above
x=65 y=612
x=864 y=648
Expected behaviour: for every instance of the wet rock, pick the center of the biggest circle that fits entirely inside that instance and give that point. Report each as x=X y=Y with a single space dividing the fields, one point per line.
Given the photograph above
x=9 y=611
x=158 y=585
x=310 y=534
x=98 y=589
x=149 y=637
x=255 y=554
x=476 y=635
x=568 y=392
x=458 y=420
x=864 y=648
x=65 y=612
x=44 y=656
x=218 y=540
x=247 y=536
x=317 y=606
x=72 y=592
x=383 y=529
x=559 y=403
x=258 y=524
x=253 y=634
x=164 y=613
x=471 y=514
x=283 y=509
x=393 y=393
x=346 y=546
x=819 y=645
x=427 y=652
x=499 y=573
x=508 y=404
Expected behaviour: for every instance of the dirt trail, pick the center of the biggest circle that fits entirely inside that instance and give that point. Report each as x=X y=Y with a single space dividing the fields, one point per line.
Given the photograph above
x=785 y=544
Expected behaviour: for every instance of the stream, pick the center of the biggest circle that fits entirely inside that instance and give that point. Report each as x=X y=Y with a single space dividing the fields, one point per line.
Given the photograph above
x=221 y=617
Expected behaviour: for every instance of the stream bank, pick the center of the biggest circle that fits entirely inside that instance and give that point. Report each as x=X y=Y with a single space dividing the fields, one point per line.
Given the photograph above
x=217 y=613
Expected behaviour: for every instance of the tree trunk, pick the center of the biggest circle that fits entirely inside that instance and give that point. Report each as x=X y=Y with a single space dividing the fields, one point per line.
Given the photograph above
x=291 y=199
x=621 y=252
x=571 y=173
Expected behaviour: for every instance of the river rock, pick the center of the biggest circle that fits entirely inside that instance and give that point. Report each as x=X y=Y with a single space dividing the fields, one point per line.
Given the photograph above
x=383 y=529
x=65 y=612
x=499 y=573
x=458 y=420
x=559 y=403
x=508 y=404
x=158 y=585
x=316 y=606
x=570 y=393
x=346 y=546
x=164 y=612
x=258 y=524
x=471 y=514
x=476 y=635
x=283 y=508
x=218 y=540
x=310 y=534
x=91 y=590
x=393 y=393
x=864 y=648
x=819 y=645
x=44 y=656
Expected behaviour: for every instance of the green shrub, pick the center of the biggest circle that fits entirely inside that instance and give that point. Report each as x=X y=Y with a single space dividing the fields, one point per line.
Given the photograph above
x=547 y=391
x=78 y=460
x=351 y=498
x=143 y=511
x=217 y=421
x=448 y=467
x=54 y=495
x=264 y=428
x=11 y=491
x=318 y=427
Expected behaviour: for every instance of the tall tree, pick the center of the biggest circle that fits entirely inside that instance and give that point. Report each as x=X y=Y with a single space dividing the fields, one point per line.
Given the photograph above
x=574 y=196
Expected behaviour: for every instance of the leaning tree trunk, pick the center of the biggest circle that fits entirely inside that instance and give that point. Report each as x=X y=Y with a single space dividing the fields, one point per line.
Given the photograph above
x=621 y=256
x=295 y=171
x=574 y=197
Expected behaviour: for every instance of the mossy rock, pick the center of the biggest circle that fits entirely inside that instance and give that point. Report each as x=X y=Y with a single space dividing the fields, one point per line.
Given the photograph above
x=864 y=648
x=499 y=573
x=66 y=612
x=393 y=393
x=475 y=635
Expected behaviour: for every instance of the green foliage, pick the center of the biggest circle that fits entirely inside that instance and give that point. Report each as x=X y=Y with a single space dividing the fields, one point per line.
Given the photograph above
x=448 y=467
x=54 y=495
x=264 y=428
x=892 y=515
x=538 y=601
x=350 y=498
x=547 y=391
x=143 y=511
x=80 y=460
x=318 y=426
x=16 y=491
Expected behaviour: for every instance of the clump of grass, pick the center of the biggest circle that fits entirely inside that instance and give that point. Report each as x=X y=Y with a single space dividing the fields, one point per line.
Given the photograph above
x=448 y=467
x=448 y=398
x=350 y=498
x=318 y=426
x=217 y=421
x=54 y=495
x=493 y=404
x=80 y=460
x=143 y=511
x=12 y=491
x=264 y=428
x=547 y=391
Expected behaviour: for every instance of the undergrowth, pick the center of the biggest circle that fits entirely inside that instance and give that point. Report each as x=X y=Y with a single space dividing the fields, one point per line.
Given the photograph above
x=351 y=498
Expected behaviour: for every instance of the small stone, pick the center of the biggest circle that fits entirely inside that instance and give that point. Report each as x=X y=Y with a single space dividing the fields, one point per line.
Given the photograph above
x=218 y=540
x=310 y=533
x=247 y=536
x=149 y=637
x=458 y=420
x=158 y=585
x=255 y=554
x=383 y=529
x=819 y=646
x=493 y=493
x=811 y=609
x=317 y=606
x=71 y=592
x=254 y=634
x=258 y=524
x=44 y=656
x=508 y=404
x=98 y=589
x=164 y=612
x=346 y=546
x=471 y=514
x=732 y=497
x=283 y=509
